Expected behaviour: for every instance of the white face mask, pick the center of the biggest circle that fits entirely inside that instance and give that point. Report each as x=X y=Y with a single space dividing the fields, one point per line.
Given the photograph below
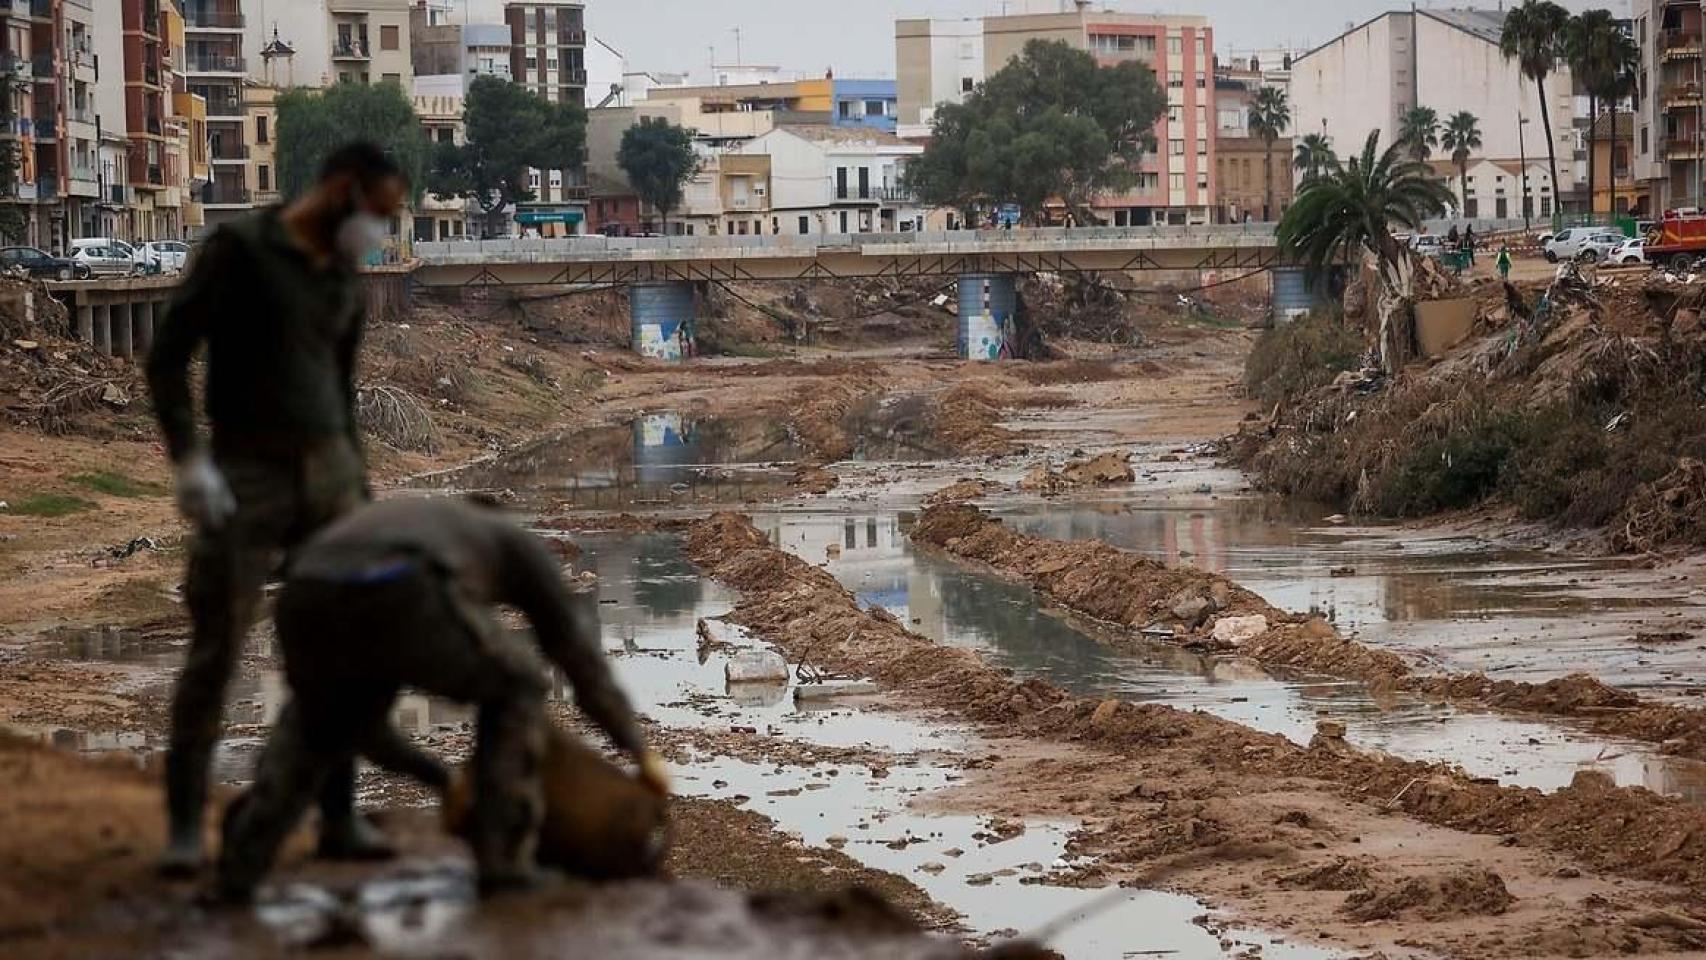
x=362 y=231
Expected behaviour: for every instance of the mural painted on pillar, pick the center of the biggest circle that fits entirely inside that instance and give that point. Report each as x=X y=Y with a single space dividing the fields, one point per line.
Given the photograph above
x=668 y=341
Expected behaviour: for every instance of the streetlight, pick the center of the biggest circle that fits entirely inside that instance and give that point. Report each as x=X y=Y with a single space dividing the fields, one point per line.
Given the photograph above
x=1522 y=158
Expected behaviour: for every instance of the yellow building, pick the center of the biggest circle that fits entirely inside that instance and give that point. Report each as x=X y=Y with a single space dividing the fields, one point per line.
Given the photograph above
x=190 y=112
x=1614 y=154
x=260 y=134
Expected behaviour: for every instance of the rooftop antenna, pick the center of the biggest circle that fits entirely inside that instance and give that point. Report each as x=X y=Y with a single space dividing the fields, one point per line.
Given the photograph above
x=738 y=59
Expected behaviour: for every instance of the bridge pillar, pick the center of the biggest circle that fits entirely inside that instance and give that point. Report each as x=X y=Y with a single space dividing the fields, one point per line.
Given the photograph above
x=86 y=323
x=662 y=319
x=988 y=304
x=123 y=334
x=142 y=326
x=102 y=331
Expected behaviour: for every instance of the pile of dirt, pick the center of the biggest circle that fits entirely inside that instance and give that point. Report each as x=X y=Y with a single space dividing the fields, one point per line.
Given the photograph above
x=1119 y=587
x=961 y=491
x=1342 y=873
x=1465 y=893
x=812 y=618
x=56 y=384
x=1569 y=403
x=1098 y=471
x=966 y=418
x=1060 y=372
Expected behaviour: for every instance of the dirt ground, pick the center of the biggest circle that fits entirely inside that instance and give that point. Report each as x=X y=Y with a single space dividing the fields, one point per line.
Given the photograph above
x=1320 y=842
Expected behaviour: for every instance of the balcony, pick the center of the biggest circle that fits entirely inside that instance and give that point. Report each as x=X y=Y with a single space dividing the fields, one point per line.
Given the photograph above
x=895 y=194
x=1679 y=44
x=216 y=194
x=151 y=75
x=352 y=50
x=203 y=18
x=80 y=115
x=152 y=125
x=575 y=38
x=16 y=67
x=45 y=129
x=116 y=194
x=224 y=107
x=1682 y=96
x=229 y=153
x=1681 y=148
x=42 y=64
x=213 y=63
x=156 y=175
x=577 y=77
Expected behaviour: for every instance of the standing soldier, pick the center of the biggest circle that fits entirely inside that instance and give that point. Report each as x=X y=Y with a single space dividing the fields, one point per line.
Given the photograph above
x=276 y=300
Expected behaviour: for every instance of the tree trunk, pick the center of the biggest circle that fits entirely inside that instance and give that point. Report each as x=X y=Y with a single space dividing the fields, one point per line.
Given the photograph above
x=1396 y=335
x=1463 y=186
x=1551 y=145
x=1268 y=171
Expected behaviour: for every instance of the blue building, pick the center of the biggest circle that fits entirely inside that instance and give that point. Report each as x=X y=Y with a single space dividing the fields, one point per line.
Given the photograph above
x=865 y=103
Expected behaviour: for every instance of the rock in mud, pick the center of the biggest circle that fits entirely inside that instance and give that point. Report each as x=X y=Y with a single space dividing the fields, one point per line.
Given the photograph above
x=1101 y=470
x=1237 y=630
x=757 y=666
x=1191 y=609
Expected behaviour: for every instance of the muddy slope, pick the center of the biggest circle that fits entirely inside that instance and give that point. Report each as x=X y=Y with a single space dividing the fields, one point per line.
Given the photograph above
x=1237 y=781
x=1113 y=585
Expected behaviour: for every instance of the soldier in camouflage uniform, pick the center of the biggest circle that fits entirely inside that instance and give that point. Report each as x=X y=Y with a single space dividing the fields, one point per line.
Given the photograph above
x=397 y=594
x=276 y=301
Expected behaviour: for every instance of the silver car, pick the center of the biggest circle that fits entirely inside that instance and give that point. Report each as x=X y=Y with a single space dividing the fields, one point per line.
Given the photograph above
x=163 y=256
x=106 y=256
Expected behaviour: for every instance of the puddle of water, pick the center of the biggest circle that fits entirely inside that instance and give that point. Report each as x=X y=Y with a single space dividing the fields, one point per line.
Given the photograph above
x=952 y=604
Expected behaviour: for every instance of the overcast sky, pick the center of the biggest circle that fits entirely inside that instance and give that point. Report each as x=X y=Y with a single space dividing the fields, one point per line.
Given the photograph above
x=856 y=37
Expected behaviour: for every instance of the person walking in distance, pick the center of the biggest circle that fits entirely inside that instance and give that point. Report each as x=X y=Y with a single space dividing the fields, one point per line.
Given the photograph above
x=399 y=594
x=1469 y=242
x=275 y=300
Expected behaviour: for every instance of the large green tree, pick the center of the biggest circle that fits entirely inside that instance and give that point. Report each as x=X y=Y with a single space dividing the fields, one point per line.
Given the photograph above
x=1352 y=209
x=1314 y=157
x=1270 y=114
x=1051 y=125
x=510 y=130
x=1418 y=131
x=659 y=160
x=1462 y=136
x=313 y=123
x=1605 y=60
x=1533 y=36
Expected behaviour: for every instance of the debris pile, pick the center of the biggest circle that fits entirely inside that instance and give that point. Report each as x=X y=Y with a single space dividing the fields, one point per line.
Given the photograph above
x=1098 y=471
x=56 y=384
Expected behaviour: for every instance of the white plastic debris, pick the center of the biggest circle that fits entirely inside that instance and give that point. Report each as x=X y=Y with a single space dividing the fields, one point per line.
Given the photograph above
x=830 y=689
x=756 y=666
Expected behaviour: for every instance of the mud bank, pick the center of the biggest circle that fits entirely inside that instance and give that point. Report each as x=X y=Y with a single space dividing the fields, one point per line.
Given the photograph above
x=1191 y=789
x=1112 y=585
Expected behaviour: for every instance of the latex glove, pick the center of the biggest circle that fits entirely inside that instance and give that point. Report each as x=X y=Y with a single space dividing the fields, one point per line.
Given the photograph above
x=203 y=495
x=653 y=775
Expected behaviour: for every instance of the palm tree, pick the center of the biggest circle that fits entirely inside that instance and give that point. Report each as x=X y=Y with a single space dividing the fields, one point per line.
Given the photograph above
x=1533 y=35
x=1270 y=114
x=1315 y=156
x=1352 y=208
x=1605 y=59
x=1462 y=137
x=1418 y=131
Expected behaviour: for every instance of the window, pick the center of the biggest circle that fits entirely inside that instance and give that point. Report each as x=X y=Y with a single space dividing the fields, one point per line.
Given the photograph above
x=846 y=109
x=532 y=63
x=876 y=108
x=446 y=135
x=966 y=84
x=344 y=76
x=1146 y=45
x=261 y=129
x=1176 y=113
x=1148 y=181
x=805 y=225
x=1202 y=117
x=1202 y=80
x=1175 y=78
x=1176 y=147
x=1644 y=146
x=263 y=177
x=1175 y=46
x=1175 y=181
x=1202 y=180
x=551 y=64
x=1202 y=47
x=1202 y=148
x=388 y=38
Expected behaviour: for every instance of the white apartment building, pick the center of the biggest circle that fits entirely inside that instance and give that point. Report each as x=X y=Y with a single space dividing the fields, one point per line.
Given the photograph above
x=936 y=62
x=827 y=179
x=1368 y=77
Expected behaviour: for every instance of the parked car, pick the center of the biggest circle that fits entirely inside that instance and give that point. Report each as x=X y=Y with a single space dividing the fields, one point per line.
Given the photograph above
x=1630 y=252
x=163 y=256
x=1428 y=245
x=1582 y=243
x=104 y=255
x=36 y=262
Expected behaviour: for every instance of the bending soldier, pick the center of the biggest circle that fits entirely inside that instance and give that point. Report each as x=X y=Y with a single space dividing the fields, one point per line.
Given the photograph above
x=276 y=300
x=397 y=594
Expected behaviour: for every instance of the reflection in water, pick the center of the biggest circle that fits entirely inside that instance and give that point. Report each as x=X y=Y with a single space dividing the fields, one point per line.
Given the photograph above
x=948 y=602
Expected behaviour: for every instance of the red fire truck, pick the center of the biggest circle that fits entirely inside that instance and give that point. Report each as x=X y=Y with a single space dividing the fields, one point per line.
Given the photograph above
x=1678 y=239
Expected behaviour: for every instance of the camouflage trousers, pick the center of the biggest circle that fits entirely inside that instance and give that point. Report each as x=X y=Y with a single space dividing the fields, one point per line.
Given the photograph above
x=281 y=501
x=349 y=647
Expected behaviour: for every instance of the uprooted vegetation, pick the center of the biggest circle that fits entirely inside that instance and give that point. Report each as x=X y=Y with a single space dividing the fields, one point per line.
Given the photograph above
x=1583 y=410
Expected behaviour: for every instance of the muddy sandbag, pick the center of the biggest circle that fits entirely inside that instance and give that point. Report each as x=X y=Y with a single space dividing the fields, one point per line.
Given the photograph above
x=600 y=823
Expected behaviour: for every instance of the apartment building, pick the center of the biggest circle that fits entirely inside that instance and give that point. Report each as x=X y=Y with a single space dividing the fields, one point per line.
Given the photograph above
x=936 y=62
x=438 y=47
x=822 y=180
x=370 y=41
x=548 y=56
x=1669 y=135
x=1254 y=181
x=1176 y=183
x=148 y=84
x=1368 y=77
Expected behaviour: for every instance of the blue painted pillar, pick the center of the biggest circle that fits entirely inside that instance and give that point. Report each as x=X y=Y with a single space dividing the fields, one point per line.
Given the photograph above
x=662 y=320
x=987 y=307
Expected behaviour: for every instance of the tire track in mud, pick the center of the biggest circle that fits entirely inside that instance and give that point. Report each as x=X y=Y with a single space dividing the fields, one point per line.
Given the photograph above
x=804 y=611
x=1119 y=587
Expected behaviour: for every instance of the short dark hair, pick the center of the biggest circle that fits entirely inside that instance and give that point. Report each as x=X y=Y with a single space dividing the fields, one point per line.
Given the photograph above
x=362 y=160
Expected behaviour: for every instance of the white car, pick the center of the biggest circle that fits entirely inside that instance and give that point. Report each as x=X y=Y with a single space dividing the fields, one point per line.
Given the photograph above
x=1630 y=252
x=163 y=256
x=1590 y=244
x=104 y=255
x=1427 y=245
